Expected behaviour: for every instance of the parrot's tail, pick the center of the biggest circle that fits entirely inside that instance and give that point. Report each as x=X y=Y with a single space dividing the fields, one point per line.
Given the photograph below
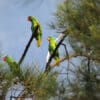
x=57 y=61
x=38 y=42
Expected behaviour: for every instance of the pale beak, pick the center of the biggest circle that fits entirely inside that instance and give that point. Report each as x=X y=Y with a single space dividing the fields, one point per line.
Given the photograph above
x=48 y=39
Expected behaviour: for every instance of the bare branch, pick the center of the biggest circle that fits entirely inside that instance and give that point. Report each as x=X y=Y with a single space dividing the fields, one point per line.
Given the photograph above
x=74 y=55
x=27 y=46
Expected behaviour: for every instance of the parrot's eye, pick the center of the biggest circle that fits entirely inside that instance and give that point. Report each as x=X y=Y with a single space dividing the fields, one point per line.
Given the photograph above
x=4 y=58
x=28 y=18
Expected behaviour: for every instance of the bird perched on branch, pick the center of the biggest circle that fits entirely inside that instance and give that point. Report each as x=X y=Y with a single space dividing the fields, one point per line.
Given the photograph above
x=14 y=67
x=38 y=34
x=51 y=48
x=57 y=40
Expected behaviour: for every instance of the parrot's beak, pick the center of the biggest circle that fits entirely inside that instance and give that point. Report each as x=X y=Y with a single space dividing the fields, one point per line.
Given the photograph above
x=4 y=59
x=28 y=18
x=48 y=39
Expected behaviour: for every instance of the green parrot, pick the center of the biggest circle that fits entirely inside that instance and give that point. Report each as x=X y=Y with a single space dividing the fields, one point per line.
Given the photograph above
x=37 y=35
x=14 y=67
x=51 y=48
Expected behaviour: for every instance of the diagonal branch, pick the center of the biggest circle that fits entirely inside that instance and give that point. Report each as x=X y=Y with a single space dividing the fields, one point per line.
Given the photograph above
x=27 y=46
x=64 y=58
x=75 y=55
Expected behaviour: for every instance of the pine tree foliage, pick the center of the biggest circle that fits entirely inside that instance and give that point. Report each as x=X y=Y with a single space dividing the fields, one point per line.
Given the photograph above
x=35 y=83
x=82 y=20
x=41 y=85
x=85 y=84
x=5 y=80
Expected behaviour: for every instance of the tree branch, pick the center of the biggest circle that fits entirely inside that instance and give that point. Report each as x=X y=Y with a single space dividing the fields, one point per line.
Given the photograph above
x=27 y=46
x=74 y=55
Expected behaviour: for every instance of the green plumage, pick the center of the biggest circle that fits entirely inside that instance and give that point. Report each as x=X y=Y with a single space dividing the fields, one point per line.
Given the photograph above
x=51 y=48
x=14 y=68
x=38 y=34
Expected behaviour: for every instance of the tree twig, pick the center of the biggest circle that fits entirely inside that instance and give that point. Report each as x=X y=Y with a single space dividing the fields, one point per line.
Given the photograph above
x=68 y=60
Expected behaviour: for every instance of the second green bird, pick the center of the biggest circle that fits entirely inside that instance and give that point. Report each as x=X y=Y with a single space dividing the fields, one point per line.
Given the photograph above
x=51 y=48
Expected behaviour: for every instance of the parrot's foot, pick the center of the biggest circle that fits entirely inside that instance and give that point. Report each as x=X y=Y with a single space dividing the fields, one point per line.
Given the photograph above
x=57 y=62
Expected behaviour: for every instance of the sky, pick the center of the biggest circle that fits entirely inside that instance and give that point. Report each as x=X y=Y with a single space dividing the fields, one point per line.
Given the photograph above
x=15 y=29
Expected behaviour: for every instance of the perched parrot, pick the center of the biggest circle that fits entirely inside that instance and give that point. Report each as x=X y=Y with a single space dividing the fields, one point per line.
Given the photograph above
x=51 y=48
x=37 y=35
x=14 y=68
